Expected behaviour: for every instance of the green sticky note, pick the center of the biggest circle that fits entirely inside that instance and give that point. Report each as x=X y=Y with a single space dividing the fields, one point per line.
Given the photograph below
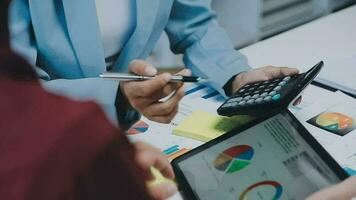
x=204 y=126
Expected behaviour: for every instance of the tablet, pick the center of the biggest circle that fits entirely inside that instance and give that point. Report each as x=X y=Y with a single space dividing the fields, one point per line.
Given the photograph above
x=272 y=158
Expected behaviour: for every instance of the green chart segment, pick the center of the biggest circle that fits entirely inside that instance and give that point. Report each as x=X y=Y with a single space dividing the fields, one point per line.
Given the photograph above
x=234 y=158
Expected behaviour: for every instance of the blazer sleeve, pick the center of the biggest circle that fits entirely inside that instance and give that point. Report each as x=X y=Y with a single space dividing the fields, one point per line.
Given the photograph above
x=22 y=38
x=101 y=91
x=193 y=30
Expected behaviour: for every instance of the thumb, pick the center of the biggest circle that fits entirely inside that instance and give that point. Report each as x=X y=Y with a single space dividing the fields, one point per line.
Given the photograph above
x=342 y=191
x=143 y=68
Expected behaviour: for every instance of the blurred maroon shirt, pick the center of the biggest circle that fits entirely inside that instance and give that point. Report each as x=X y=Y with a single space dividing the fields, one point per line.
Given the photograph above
x=55 y=148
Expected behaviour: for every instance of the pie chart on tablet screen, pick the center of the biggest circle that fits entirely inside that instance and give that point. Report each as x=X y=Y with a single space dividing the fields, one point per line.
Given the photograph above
x=234 y=159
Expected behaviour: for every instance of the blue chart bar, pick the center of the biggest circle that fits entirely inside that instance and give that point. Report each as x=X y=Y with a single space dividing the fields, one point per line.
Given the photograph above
x=195 y=89
x=171 y=149
x=213 y=94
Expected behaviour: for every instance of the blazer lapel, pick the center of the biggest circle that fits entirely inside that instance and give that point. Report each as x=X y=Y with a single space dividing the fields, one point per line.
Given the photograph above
x=84 y=33
x=146 y=12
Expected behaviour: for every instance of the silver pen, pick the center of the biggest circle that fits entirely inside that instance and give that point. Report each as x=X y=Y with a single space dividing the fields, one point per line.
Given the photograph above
x=133 y=77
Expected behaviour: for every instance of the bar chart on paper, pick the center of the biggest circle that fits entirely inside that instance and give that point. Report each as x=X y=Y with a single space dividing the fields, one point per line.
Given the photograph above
x=204 y=92
x=174 y=152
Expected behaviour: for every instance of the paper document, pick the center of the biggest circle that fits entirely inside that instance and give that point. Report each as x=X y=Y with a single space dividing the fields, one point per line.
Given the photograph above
x=197 y=97
x=332 y=121
x=204 y=126
x=339 y=74
x=310 y=96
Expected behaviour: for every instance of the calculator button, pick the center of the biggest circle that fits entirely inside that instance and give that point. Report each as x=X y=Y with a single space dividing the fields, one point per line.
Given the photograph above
x=242 y=103
x=287 y=78
x=272 y=93
x=267 y=98
x=230 y=100
x=247 y=97
x=255 y=96
x=259 y=100
x=236 y=99
x=264 y=94
x=262 y=86
x=226 y=105
x=234 y=104
x=267 y=90
x=277 y=88
x=251 y=101
x=282 y=83
x=272 y=85
x=276 y=97
x=242 y=90
x=246 y=86
x=265 y=82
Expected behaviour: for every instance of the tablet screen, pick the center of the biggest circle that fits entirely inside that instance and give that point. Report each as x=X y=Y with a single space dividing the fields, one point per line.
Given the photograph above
x=270 y=160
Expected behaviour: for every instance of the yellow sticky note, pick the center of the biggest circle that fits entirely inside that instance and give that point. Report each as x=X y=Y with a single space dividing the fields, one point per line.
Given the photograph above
x=205 y=126
x=158 y=178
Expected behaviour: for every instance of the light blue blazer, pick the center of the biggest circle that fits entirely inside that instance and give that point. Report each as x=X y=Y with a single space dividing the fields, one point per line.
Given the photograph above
x=62 y=38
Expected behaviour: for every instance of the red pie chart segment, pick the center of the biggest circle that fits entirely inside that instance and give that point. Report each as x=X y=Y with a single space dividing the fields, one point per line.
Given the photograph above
x=234 y=159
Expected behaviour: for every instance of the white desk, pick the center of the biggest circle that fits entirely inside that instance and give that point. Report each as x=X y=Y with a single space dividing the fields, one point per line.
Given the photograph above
x=330 y=37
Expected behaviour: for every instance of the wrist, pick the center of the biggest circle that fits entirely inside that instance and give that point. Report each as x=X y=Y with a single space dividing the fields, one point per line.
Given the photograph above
x=238 y=82
x=126 y=114
x=234 y=83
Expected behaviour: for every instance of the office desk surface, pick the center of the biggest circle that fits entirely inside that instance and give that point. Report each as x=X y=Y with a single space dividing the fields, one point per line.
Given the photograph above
x=329 y=37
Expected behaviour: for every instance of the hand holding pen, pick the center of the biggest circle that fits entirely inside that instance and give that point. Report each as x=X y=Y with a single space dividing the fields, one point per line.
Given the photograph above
x=145 y=96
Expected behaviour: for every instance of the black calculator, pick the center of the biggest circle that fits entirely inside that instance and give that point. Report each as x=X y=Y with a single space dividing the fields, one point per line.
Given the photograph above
x=268 y=96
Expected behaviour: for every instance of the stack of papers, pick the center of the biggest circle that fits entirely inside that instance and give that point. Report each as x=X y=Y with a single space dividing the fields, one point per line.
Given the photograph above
x=339 y=74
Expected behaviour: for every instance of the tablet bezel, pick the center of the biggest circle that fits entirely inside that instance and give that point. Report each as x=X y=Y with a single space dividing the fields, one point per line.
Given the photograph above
x=313 y=143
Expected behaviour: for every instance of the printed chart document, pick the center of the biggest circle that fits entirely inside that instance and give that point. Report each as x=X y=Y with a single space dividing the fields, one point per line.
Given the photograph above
x=332 y=121
x=197 y=97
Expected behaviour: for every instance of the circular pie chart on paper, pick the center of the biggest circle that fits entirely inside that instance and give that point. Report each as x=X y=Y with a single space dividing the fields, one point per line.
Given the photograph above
x=334 y=121
x=234 y=159
x=138 y=128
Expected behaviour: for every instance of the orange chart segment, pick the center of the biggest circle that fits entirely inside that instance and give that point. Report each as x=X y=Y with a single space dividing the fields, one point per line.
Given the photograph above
x=222 y=162
x=334 y=121
x=234 y=158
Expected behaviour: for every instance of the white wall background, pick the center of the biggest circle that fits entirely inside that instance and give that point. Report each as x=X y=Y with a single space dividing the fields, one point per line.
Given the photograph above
x=248 y=21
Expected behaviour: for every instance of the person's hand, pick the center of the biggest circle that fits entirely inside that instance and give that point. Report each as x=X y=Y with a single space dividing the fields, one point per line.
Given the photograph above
x=345 y=190
x=261 y=74
x=145 y=96
x=148 y=156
